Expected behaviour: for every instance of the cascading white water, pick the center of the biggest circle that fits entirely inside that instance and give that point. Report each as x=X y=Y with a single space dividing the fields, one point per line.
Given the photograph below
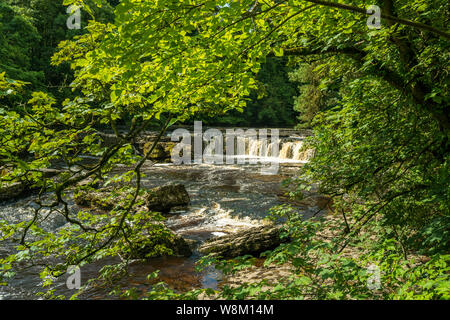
x=289 y=149
x=210 y=148
x=297 y=153
x=286 y=150
x=254 y=147
x=301 y=154
x=263 y=148
x=273 y=150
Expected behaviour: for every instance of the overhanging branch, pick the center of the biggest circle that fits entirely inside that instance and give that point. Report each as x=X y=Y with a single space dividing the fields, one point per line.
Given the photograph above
x=407 y=22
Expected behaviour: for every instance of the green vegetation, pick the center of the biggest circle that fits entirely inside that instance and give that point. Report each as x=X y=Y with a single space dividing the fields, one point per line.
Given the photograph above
x=317 y=93
x=377 y=100
x=270 y=104
x=18 y=38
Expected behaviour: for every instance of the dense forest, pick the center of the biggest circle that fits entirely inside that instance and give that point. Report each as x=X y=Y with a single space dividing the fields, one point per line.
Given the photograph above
x=376 y=99
x=32 y=30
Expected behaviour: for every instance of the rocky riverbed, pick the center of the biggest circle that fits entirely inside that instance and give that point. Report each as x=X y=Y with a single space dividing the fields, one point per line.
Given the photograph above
x=207 y=206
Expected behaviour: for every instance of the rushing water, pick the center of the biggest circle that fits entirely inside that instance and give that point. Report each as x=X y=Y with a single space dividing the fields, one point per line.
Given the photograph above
x=224 y=199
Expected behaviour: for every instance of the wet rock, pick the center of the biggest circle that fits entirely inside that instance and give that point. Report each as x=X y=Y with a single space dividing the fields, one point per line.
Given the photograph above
x=97 y=199
x=51 y=172
x=12 y=190
x=89 y=182
x=177 y=244
x=102 y=199
x=164 y=198
x=226 y=188
x=186 y=223
x=252 y=241
x=312 y=200
x=162 y=150
x=108 y=139
x=159 y=199
x=316 y=200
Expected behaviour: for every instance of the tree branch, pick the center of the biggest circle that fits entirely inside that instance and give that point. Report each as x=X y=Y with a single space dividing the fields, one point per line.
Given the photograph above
x=386 y=16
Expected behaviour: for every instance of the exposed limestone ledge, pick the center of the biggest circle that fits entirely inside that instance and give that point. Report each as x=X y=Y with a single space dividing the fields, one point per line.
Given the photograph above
x=251 y=241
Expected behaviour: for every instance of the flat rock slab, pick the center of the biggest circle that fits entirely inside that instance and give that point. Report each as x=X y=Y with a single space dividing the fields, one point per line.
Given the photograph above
x=252 y=241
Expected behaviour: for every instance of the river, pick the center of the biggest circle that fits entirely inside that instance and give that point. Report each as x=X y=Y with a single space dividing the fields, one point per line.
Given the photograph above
x=224 y=199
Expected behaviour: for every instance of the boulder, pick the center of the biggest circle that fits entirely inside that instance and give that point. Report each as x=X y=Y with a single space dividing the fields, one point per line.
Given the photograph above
x=164 y=198
x=11 y=190
x=24 y=188
x=176 y=243
x=89 y=182
x=252 y=241
x=162 y=150
x=159 y=199
x=108 y=139
x=97 y=199
x=14 y=190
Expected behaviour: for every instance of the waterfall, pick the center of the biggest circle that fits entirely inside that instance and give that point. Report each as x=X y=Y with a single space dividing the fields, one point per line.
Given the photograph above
x=271 y=151
x=210 y=148
x=286 y=150
x=297 y=151
x=254 y=147
x=245 y=146
x=263 y=148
